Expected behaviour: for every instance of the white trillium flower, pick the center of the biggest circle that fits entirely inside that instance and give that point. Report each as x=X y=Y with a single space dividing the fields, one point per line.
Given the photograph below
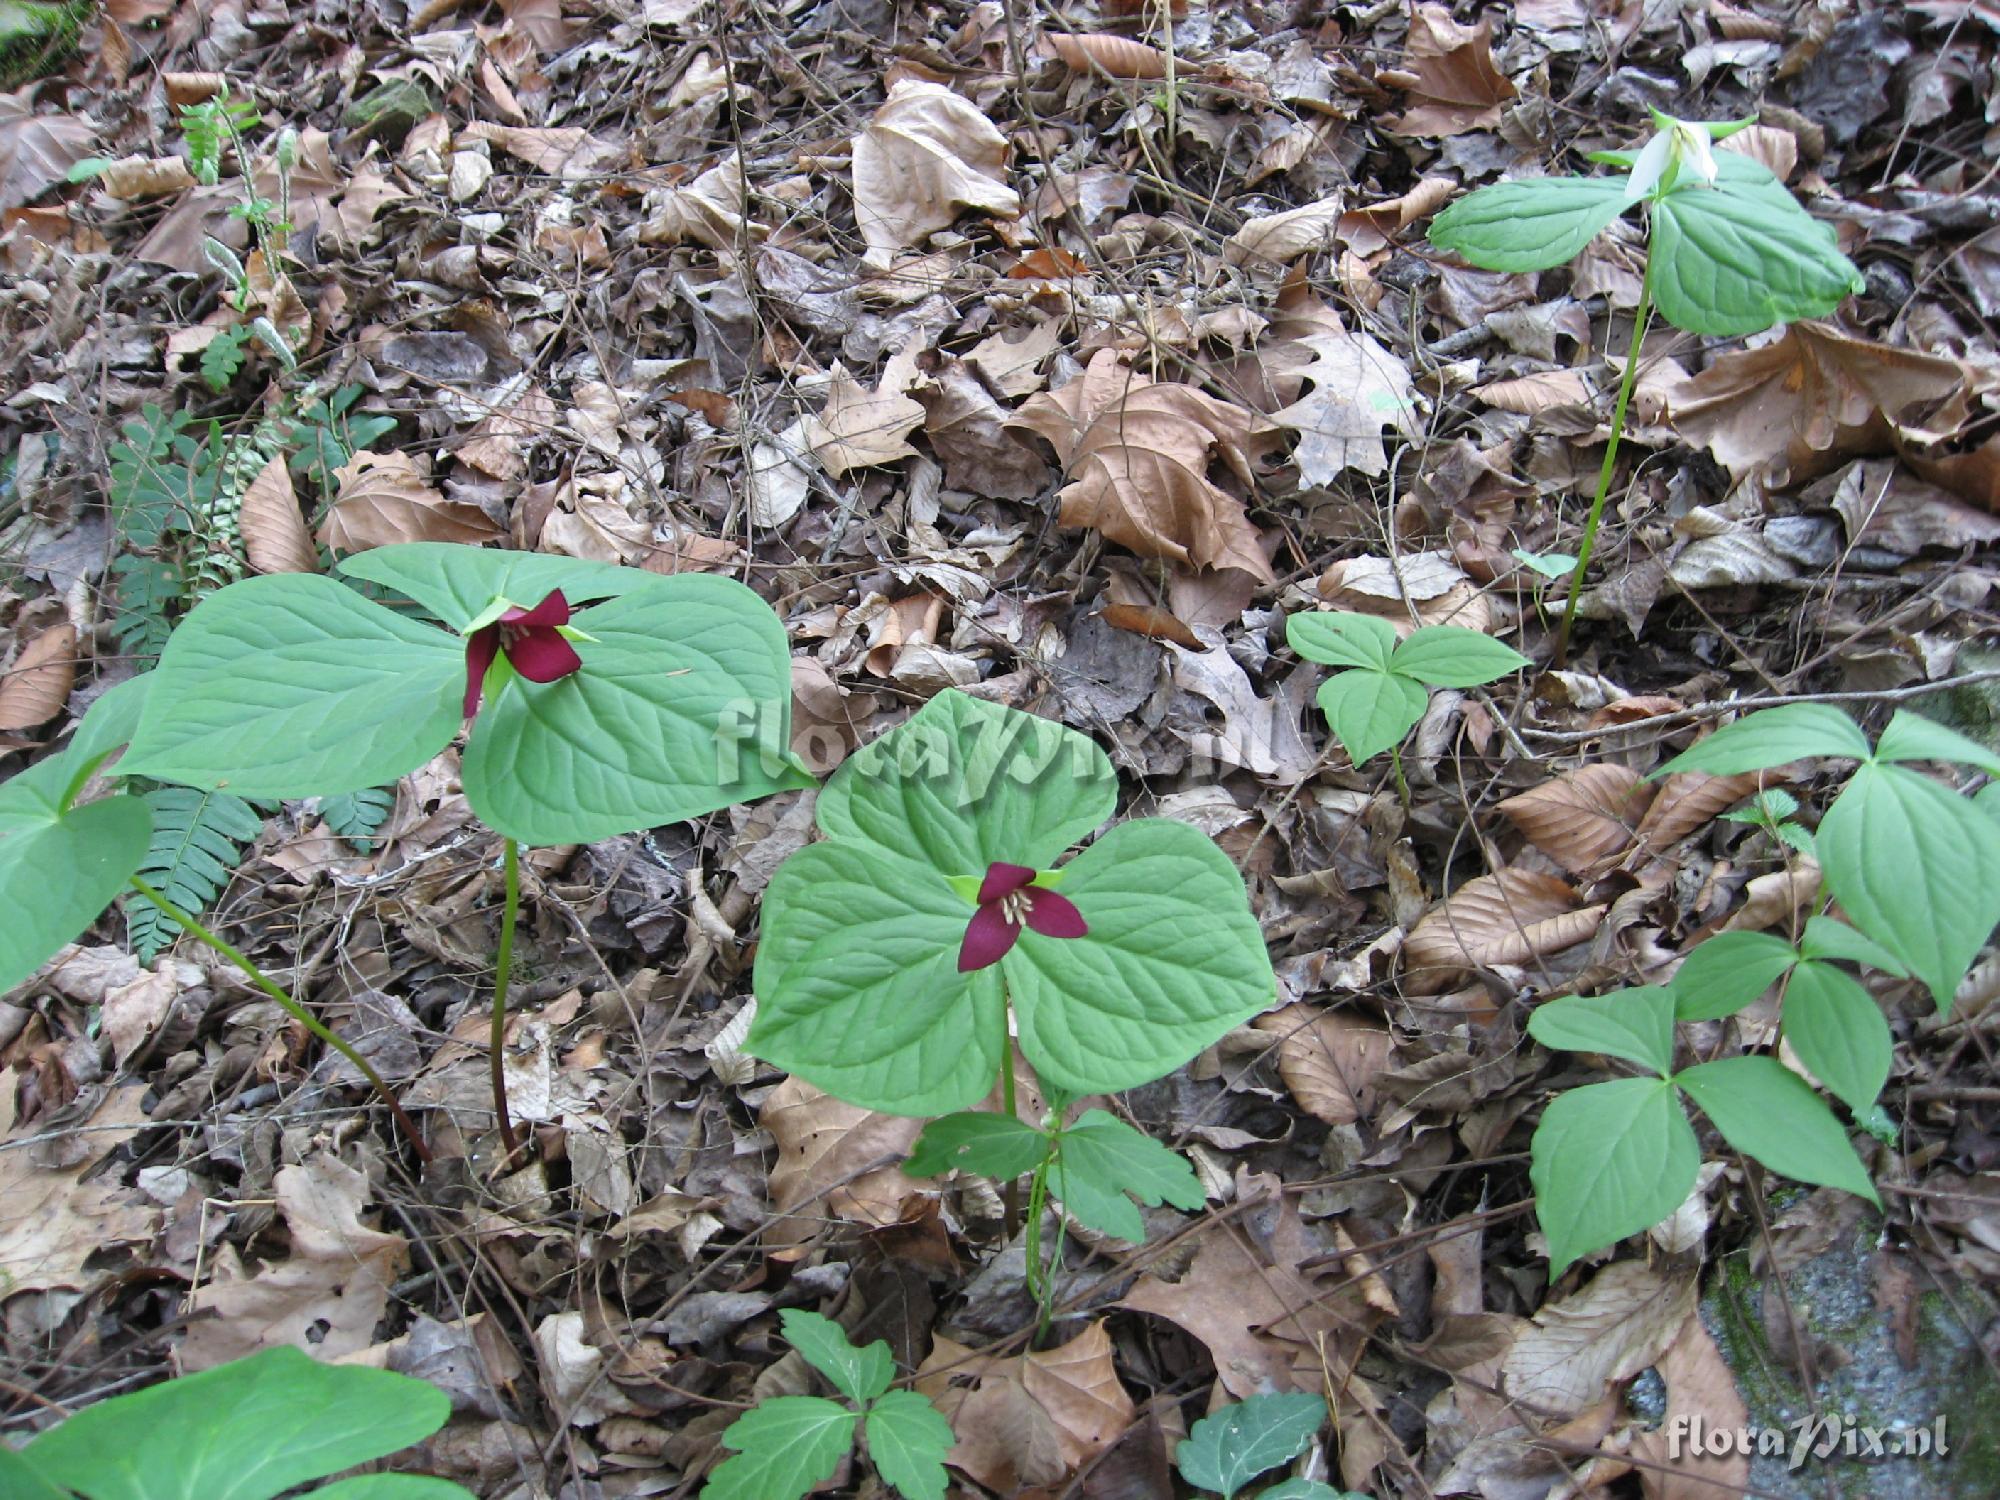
x=1679 y=147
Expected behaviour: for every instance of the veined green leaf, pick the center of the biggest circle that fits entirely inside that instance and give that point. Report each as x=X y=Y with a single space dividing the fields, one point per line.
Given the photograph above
x=784 y=1446
x=1911 y=736
x=908 y=1439
x=1772 y=737
x=1227 y=1449
x=1529 y=225
x=1838 y=1032
x=1635 y=1024
x=1337 y=638
x=1610 y=1159
x=858 y=1374
x=1765 y=1110
x=1452 y=656
x=1100 y=1159
x=990 y=1145
x=1371 y=711
x=59 y=870
x=456 y=583
x=1726 y=972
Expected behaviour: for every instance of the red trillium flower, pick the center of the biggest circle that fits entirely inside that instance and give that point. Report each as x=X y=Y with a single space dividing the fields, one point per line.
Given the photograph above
x=1007 y=902
x=534 y=647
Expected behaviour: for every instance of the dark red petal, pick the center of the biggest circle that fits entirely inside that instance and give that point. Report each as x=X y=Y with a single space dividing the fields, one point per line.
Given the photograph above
x=540 y=655
x=1003 y=879
x=988 y=936
x=1054 y=915
x=553 y=610
x=480 y=648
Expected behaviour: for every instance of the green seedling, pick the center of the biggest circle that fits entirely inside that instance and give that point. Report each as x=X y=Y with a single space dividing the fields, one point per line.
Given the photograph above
x=1224 y=1451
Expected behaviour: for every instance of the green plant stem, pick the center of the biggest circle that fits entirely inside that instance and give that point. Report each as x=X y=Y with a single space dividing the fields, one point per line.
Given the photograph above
x=1040 y=1281
x=1625 y=384
x=292 y=1007
x=503 y=971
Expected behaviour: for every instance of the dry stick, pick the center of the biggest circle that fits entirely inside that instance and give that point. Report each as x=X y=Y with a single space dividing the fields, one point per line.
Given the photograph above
x=503 y=971
x=292 y=1007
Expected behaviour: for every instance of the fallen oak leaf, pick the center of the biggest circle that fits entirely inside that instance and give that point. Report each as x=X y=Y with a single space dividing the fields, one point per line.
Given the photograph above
x=859 y=428
x=1451 y=77
x=1358 y=388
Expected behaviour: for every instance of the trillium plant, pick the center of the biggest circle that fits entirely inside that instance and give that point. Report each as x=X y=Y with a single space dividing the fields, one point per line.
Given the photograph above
x=1729 y=252
x=938 y=925
x=666 y=698
x=1914 y=868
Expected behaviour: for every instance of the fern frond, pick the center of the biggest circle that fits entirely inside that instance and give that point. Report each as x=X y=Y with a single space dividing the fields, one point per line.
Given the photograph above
x=198 y=839
x=355 y=816
x=148 y=588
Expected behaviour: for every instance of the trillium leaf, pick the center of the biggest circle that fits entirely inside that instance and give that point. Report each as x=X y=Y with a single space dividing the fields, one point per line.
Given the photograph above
x=1635 y=1024
x=1838 y=1032
x=785 y=1446
x=457 y=583
x=59 y=872
x=1338 y=638
x=1101 y=1159
x=988 y=1144
x=1451 y=656
x=965 y=782
x=293 y=685
x=1772 y=737
x=1610 y=1159
x=1766 y=1110
x=1911 y=736
x=1742 y=256
x=110 y=722
x=1172 y=959
x=858 y=989
x=1726 y=972
x=682 y=705
x=1935 y=900
x=1371 y=711
x=1529 y=225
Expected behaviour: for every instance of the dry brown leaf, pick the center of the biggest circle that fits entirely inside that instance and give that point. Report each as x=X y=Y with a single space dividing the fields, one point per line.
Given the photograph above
x=383 y=499
x=1688 y=800
x=560 y=151
x=1610 y=1330
x=325 y=1297
x=1152 y=621
x=1115 y=56
x=1077 y=1385
x=1367 y=230
x=708 y=211
x=1453 y=83
x=541 y=21
x=35 y=688
x=967 y=431
x=36 y=151
x=1509 y=917
x=1137 y=457
x=134 y=1010
x=822 y=1142
x=274 y=531
x=145 y=176
x=1699 y=1387
x=1329 y=1060
x=1276 y=239
x=1774 y=148
x=1012 y=366
x=1007 y=1441
x=1882 y=504
x=1582 y=817
x=859 y=428
x=1358 y=388
x=1533 y=394
x=56 y=1220
x=926 y=154
x=1815 y=396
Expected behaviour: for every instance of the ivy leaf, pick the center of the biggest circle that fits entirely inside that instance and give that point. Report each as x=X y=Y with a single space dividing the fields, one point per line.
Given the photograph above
x=457 y=583
x=1935 y=901
x=908 y=1439
x=965 y=783
x=1100 y=1159
x=1452 y=656
x=990 y=1145
x=1610 y=1159
x=858 y=985
x=1742 y=256
x=1530 y=225
x=1173 y=958
x=858 y=1374
x=784 y=1447
x=1726 y=972
x=1371 y=711
x=1766 y=1110
x=294 y=685
x=1772 y=737
x=1635 y=1024
x=1225 y=1451
x=1838 y=1032
x=682 y=705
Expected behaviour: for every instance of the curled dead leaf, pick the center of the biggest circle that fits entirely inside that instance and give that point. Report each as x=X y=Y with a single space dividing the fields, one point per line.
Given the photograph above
x=1453 y=83
x=145 y=176
x=274 y=531
x=1610 y=1330
x=822 y=1145
x=1329 y=1060
x=1509 y=917
x=37 y=685
x=925 y=155
x=383 y=499
x=1277 y=239
x=1114 y=56
x=1582 y=817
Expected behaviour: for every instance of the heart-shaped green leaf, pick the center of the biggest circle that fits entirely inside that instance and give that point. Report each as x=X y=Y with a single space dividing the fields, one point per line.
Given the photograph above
x=59 y=870
x=1172 y=960
x=243 y=1431
x=1371 y=711
x=966 y=782
x=1530 y=225
x=682 y=705
x=293 y=685
x=858 y=989
x=1635 y=1024
x=1766 y=1110
x=1838 y=1032
x=457 y=583
x=1610 y=1159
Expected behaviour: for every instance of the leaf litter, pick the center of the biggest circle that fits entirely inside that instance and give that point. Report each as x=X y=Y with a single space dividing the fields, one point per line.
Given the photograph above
x=1057 y=356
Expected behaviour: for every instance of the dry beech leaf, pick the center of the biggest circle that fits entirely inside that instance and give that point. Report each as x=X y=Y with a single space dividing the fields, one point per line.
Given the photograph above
x=822 y=1142
x=382 y=499
x=1137 y=456
x=37 y=685
x=1610 y=1330
x=1114 y=56
x=1329 y=1060
x=557 y=150
x=1358 y=388
x=274 y=532
x=145 y=176
x=36 y=151
x=1367 y=230
x=1509 y=917
x=1151 y=620
x=859 y=428
x=1774 y=148
x=1582 y=817
x=1532 y=395
x=708 y=211
x=1277 y=239
x=541 y=21
x=1690 y=800
x=1700 y=1386
x=1453 y=83
x=926 y=154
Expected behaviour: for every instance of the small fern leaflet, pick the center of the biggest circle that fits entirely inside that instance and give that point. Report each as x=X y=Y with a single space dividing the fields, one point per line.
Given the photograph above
x=198 y=839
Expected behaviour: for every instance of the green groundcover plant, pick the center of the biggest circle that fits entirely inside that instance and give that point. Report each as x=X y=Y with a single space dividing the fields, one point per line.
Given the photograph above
x=1729 y=252
x=247 y=1430
x=1914 y=868
x=935 y=926
x=667 y=699
x=1227 y=1449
